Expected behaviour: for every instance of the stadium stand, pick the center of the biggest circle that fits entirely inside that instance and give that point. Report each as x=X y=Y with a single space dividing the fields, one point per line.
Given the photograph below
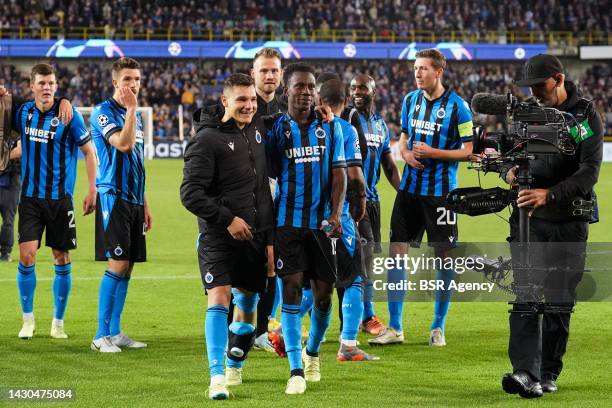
x=565 y=21
x=195 y=83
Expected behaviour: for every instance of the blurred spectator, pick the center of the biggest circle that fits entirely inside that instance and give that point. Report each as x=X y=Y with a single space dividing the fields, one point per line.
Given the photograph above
x=139 y=17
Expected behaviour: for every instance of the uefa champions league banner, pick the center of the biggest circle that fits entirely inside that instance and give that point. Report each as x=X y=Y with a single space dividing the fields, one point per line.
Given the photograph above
x=246 y=50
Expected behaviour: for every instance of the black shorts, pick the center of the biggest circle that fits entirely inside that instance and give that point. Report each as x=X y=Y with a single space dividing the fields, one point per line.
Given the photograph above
x=120 y=229
x=226 y=261
x=55 y=216
x=349 y=255
x=369 y=226
x=413 y=215
x=304 y=250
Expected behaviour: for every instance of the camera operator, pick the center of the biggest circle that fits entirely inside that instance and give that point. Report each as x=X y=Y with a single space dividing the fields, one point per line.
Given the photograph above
x=558 y=203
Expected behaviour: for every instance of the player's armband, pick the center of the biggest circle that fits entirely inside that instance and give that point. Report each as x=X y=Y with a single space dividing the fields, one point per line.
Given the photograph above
x=465 y=130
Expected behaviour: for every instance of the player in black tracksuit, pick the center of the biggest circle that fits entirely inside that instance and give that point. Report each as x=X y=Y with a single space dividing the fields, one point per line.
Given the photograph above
x=558 y=233
x=225 y=184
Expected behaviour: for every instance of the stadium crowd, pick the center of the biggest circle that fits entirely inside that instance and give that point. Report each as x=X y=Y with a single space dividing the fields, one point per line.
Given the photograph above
x=276 y=16
x=192 y=84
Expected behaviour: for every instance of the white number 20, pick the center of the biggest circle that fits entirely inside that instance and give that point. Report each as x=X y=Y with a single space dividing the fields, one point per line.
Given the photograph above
x=446 y=217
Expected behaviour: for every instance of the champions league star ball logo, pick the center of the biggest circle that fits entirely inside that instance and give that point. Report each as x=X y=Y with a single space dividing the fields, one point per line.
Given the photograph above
x=320 y=133
x=175 y=49
x=102 y=120
x=349 y=50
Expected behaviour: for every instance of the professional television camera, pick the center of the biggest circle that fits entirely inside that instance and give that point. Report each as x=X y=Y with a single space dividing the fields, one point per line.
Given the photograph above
x=530 y=130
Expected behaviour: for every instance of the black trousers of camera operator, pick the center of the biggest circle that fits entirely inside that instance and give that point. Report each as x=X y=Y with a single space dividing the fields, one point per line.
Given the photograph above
x=557 y=253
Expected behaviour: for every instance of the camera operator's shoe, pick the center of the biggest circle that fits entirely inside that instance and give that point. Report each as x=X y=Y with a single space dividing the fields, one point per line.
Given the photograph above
x=387 y=336
x=548 y=384
x=522 y=384
x=436 y=338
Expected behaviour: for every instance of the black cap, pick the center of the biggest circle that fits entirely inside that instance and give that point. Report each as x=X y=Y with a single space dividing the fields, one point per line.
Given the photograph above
x=539 y=68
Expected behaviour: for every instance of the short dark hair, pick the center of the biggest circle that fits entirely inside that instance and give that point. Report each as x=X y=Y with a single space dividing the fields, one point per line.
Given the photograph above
x=333 y=92
x=42 y=69
x=326 y=76
x=125 y=63
x=268 y=53
x=296 y=67
x=438 y=59
x=238 y=80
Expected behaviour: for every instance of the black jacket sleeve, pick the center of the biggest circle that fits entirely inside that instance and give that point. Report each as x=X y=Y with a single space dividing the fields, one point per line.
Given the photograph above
x=198 y=175
x=590 y=154
x=16 y=102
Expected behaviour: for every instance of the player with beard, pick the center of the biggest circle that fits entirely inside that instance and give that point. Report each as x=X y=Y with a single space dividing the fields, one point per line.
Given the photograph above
x=374 y=135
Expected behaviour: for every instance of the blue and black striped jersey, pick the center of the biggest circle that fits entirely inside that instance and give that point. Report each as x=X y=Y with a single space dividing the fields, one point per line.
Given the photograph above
x=443 y=123
x=376 y=135
x=49 y=151
x=302 y=158
x=352 y=151
x=121 y=173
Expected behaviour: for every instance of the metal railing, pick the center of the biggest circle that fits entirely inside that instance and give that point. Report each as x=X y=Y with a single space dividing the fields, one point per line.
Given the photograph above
x=552 y=38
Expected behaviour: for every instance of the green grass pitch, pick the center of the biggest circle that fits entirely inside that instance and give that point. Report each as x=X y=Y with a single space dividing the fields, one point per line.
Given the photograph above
x=166 y=308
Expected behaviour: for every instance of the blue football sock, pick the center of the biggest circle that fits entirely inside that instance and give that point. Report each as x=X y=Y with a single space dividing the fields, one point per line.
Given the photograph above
x=108 y=287
x=307 y=301
x=120 y=295
x=277 y=298
x=319 y=322
x=352 y=310
x=368 y=297
x=26 y=282
x=215 y=330
x=443 y=297
x=61 y=289
x=292 y=331
x=239 y=328
x=396 y=299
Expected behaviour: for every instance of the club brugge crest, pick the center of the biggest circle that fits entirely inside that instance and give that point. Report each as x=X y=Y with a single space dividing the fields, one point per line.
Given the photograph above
x=257 y=136
x=320 y=133
x=208 y=278
x=279 y=264
x=118 y=251
x=54 y=122
x=378 y=127
x=441 y=113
